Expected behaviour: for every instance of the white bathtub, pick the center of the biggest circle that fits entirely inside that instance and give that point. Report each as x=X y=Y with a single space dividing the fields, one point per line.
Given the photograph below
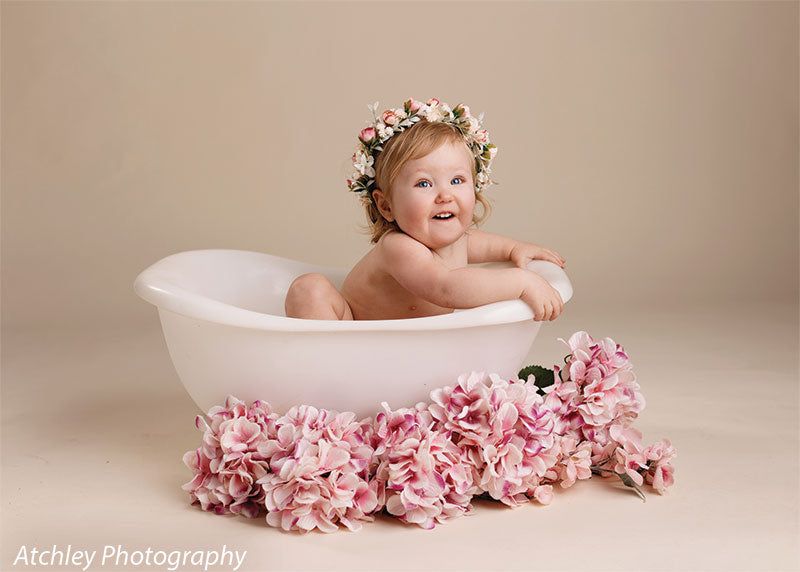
x=223 y=319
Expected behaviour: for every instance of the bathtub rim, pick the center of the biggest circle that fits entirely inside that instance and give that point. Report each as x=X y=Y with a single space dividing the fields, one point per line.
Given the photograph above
x=155 y=286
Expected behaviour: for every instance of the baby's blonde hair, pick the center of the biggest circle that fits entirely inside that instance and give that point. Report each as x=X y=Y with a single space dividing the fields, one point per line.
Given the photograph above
x=414 y=143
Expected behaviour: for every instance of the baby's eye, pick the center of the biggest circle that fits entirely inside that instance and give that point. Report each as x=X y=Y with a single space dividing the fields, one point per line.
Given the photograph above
x=424 y=184
x=458 y=179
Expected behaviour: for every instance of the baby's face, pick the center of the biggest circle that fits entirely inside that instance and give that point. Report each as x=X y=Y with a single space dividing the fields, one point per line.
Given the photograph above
x=433 y=197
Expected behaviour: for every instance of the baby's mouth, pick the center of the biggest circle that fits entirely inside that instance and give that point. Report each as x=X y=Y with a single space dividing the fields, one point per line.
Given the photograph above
x=443 y=216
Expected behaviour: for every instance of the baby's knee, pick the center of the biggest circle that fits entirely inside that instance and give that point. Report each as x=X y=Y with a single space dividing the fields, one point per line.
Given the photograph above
x=313 y=296
x=310 y=288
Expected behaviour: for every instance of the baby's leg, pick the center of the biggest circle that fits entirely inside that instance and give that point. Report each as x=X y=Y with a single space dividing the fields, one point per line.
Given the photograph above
x=314 y=297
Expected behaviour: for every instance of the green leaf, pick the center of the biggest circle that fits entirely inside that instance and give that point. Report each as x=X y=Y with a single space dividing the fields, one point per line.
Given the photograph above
x=543 y=377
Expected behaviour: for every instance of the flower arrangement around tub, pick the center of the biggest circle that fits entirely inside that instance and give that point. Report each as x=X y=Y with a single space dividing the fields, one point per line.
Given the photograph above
x=510 y=441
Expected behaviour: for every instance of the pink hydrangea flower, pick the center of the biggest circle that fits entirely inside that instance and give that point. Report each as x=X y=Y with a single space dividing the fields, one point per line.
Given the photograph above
x=319 y=471
x=596 y=388
x=630 y=460
x=574 y=462
x=463 y=409
x=504 y=430
x=227 y=466
x=543 y=494
x=424 y=472
x=323 y=501
x=660 y=472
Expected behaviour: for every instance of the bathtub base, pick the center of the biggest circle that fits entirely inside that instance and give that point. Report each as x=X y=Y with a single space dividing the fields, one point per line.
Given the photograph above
x=214 y=360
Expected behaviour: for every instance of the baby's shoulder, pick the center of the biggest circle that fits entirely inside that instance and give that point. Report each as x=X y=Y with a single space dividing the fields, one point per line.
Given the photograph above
x=397 y=246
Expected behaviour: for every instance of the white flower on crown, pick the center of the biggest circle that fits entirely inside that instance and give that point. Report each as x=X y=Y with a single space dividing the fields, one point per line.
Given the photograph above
x=384 y=131
x=447 y=112
x=431 y=113
x=363 y=163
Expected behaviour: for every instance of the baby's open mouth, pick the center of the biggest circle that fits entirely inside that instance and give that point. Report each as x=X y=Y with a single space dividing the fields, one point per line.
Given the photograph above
x=443 y=216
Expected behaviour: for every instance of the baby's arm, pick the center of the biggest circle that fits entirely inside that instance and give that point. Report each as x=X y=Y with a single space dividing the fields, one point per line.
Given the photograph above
x=417 y=270
x=487 y=247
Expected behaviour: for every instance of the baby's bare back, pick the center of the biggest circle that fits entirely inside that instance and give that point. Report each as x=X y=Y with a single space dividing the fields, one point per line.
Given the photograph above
x=373 y=294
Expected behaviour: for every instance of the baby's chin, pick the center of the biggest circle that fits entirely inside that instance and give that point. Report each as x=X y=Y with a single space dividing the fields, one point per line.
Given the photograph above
x=437 y=242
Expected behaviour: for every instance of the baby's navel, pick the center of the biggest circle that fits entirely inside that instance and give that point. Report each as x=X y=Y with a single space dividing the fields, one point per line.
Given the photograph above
x=412 y=308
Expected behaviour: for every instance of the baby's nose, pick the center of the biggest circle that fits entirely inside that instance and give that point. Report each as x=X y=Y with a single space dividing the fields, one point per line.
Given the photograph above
x=444 y=195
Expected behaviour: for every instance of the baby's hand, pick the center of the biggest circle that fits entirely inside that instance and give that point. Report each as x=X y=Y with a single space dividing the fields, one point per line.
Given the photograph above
x=544 y=300
x=524 y=252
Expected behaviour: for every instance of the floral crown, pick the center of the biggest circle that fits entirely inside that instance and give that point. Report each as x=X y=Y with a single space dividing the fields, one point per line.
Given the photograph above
x=392 y=121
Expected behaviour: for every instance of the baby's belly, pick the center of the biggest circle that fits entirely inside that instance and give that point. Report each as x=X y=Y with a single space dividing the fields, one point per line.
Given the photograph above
x=390 y=306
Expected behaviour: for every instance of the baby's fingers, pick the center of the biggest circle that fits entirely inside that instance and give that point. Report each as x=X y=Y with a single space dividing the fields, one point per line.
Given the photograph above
x=552 y=255
x=556 y=258
x=558 y=305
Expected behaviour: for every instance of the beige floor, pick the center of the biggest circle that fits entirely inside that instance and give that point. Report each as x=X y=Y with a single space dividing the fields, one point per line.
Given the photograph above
x=94 y=424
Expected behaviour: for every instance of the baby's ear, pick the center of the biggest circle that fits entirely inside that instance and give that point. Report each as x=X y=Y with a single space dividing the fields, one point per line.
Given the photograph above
x=383 y=205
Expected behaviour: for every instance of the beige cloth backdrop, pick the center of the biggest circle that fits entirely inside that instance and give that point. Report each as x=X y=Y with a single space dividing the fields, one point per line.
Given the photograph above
x=654 y=145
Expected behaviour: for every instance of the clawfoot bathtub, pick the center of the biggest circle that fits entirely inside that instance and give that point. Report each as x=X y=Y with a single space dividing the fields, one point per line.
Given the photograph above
x=224 y=324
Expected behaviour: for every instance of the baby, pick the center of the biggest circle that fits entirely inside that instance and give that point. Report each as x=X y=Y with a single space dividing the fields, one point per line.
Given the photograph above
x=421 y=170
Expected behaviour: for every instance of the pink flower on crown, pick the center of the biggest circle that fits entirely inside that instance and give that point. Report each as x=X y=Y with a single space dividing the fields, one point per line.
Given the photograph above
x=481 y=136
x=414 y=105
x=433 y=102
x=464 y=109
x=389 y=117
x=367 y=134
